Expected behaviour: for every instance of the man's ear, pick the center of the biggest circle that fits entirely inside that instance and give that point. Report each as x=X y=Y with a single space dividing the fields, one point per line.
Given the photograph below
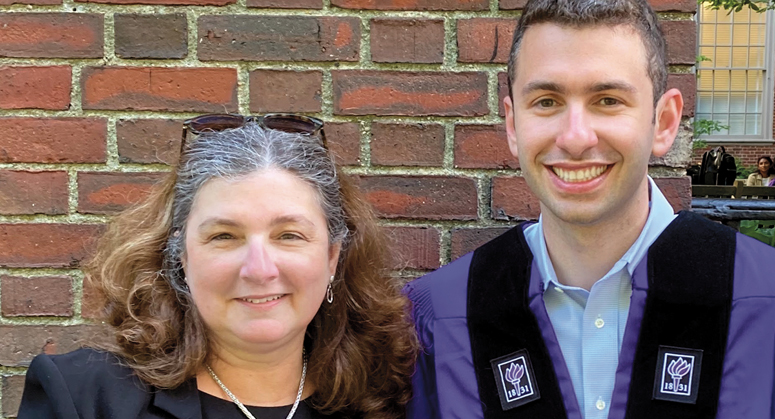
x=668 y=119
x=511 y=132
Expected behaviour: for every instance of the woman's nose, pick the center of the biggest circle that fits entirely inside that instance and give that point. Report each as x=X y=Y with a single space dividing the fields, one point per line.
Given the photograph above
x=259 y=262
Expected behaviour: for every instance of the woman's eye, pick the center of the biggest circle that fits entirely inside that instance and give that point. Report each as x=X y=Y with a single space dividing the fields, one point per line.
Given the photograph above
x=290 y=236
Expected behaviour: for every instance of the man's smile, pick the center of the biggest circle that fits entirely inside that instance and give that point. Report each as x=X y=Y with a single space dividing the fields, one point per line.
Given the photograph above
x=579 y=175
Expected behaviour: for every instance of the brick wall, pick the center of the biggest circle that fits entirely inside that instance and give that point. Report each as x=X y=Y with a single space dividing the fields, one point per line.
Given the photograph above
x=92 y=94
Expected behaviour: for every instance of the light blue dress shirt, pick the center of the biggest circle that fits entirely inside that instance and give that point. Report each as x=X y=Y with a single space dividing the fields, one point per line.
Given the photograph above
x=590 y=324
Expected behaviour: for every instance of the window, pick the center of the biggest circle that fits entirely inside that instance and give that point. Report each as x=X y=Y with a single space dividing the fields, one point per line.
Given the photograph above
x=735 y=73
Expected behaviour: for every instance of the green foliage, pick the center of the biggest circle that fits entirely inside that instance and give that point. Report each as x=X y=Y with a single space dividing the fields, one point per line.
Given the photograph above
x=737 y=5
x=744 y=171
x=702 y=58
x=707 y=127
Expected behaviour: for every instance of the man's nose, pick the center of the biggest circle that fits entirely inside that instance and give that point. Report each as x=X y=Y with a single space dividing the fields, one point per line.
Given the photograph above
x=577 y=134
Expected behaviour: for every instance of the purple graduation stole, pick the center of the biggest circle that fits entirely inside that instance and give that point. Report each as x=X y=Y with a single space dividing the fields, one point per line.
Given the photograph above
x=680 y=352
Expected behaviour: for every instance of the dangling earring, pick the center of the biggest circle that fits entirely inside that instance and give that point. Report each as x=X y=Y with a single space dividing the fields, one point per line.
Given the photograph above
x=330 y=291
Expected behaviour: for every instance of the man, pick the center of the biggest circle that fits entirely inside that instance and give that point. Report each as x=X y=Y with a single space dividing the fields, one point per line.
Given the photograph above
x=611 y=306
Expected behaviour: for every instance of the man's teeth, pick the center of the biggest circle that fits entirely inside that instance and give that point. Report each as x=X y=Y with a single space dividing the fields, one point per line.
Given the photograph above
x=581 y=175
x=262 y=300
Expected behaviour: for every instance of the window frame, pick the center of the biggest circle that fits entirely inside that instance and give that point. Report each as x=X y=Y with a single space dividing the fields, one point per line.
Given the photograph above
x=768 y=90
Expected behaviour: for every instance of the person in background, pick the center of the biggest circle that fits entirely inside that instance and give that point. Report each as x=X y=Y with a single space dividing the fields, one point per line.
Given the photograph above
x=611 y=305
x=764 y=175
x=250 y=283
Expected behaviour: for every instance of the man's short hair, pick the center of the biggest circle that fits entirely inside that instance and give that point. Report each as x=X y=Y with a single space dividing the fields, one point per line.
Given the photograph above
x=636 y=14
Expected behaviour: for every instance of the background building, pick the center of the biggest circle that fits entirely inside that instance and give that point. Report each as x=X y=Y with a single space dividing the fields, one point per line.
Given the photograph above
x=92 y=95
x=736 y=54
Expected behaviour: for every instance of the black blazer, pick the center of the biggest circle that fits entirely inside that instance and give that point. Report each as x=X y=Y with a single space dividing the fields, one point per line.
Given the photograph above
x=88 y=384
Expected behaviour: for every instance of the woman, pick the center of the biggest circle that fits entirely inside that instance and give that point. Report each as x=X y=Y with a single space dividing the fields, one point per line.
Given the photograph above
x=249 y=284
x=764 y=175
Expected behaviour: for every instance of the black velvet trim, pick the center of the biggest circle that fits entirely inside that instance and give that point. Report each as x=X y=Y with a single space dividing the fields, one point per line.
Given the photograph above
x=500 y=322
x=691 y=274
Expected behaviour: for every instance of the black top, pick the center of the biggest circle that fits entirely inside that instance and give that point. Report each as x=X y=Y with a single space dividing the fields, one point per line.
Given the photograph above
x=217 y=408
x=90 y=384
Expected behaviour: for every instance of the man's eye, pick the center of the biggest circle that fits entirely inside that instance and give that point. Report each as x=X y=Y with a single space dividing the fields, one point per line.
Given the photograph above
x=222 y=236
x=609 y=101
x=546 y=103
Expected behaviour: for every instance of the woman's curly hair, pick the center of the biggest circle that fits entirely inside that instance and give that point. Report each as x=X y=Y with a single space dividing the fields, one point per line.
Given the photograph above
x=361 y=348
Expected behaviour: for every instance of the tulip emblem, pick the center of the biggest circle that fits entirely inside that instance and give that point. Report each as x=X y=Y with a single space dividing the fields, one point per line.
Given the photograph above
x=514 y=375
x=677 y=369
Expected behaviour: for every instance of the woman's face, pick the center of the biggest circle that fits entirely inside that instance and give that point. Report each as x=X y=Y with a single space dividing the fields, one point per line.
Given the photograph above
x=257 y=259
x=764 y=167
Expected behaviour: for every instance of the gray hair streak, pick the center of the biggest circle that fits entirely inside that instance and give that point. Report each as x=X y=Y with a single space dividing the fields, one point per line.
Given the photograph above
x=238 y=152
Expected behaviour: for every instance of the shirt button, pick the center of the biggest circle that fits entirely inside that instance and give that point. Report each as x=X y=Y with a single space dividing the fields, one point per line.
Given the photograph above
x=599 y=323
x=600 y=404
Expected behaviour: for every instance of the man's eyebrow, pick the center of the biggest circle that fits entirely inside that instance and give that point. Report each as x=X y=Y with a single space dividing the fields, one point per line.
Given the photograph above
x=612 y=85
x=542 y=85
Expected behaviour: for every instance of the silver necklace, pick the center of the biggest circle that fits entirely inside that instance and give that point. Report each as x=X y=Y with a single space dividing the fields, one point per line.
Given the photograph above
x=242 y=406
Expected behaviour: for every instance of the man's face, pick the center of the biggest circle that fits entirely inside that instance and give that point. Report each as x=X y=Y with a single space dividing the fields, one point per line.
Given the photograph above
x=582 y=121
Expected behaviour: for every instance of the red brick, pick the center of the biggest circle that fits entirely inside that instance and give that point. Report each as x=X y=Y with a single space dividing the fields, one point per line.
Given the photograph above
x=51 y=35
x=407 y=145
x=421 y=197
x=33 y=192
x=484 y=40
x=12 y=385
x=53 y=140
x=35 y=2
x=285 y=91
x=483 y=146
x=92 y=302
x=407 y=40
x=677 y=190
x=687 y=84
x=20 y=343
x=674 y=5
x=151 y=36
x=344 y=140
x=466 y=240
x=414 y=247
x=165 y=2
x=108 y=193
x=511 y=4
x=46 y=245
x=287 y=4
x=658 y=5
x=513 y=200
x=160 y=89
x=681 y=37
x=503 y=91
x=412 y=4
x=366 y=92
x=35 y=87
x=148 y=140
x=278 y=38
x=37 y=296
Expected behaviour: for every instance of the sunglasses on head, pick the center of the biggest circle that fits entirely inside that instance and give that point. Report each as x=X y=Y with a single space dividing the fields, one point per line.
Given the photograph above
x=278 y=121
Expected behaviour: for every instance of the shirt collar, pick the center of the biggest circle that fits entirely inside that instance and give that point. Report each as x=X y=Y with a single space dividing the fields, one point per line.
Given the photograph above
x=660 y=216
